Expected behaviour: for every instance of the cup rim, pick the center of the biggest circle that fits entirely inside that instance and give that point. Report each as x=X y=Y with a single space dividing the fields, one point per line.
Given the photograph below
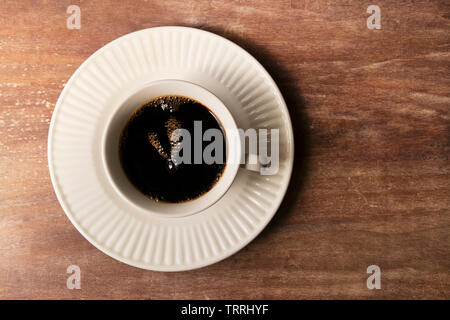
x=233 y=149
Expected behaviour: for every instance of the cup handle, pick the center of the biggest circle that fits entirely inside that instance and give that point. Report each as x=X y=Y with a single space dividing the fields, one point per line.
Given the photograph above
x=252 y=162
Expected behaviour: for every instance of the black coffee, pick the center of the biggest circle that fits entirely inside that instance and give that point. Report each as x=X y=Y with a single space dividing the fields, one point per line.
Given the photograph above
x=148 y=143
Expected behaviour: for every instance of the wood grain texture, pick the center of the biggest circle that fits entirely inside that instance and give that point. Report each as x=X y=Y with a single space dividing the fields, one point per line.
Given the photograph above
x=371 y=180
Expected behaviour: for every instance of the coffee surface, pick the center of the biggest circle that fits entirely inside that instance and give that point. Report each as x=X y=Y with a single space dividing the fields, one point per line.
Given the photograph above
x=149 y=141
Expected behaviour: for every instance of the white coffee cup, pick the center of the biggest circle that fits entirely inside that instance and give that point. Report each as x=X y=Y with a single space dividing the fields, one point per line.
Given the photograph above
x=117 y=122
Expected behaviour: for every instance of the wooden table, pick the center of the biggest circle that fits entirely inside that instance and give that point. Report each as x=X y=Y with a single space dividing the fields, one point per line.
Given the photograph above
x=371 y=181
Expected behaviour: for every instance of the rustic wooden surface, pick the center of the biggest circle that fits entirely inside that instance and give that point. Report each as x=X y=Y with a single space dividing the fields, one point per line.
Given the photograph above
x=371 y=180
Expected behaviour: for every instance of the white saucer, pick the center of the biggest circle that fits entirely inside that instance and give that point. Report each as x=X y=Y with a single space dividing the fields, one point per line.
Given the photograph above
x=74 y=149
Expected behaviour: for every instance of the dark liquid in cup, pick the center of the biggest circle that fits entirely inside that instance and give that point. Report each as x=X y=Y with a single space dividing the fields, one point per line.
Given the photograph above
x=149 y=141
